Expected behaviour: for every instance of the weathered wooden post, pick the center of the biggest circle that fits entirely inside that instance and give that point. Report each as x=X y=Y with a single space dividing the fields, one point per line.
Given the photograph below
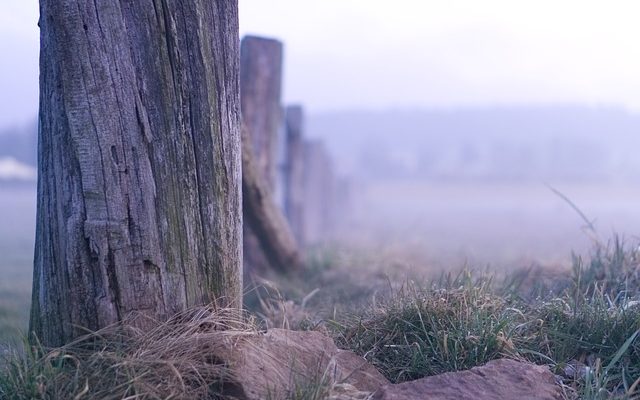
x=139 y=162
x=260 y=88
x=294 y=171
x=268 y=241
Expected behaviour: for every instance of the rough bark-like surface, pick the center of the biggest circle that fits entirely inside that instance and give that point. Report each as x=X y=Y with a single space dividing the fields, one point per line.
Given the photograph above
x=273 y=237
x=498 y=379
x=294 y=171
x=260 y=87
x=318 y=193
x=139 y=162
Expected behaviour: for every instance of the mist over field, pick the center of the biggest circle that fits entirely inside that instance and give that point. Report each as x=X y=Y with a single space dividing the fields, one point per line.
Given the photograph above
x=307 y=200
x=17 y=236
x=543 y=143
x=441 y=188
x=463 y=118
x=476 y=185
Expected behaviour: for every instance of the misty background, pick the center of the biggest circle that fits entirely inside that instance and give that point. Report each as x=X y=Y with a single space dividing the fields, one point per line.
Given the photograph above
x=449 y=123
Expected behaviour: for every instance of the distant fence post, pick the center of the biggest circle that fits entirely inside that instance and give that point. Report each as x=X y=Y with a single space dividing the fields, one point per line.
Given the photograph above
x=294 y=171
x=260 y=87
x=268 y=241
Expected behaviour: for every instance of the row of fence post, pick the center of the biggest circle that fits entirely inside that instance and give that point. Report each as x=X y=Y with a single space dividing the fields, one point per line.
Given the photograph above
x=298 y=170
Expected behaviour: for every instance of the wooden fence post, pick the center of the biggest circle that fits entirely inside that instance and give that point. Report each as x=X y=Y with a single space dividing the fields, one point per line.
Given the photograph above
x=260 y=87
x=294 y=171
x=268 y=241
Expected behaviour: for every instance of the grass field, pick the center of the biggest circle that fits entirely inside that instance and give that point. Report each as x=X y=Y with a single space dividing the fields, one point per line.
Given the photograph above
x=414 y=226
x=408 y=306
x=585 y=330
x=497 y=224
x=17 y=234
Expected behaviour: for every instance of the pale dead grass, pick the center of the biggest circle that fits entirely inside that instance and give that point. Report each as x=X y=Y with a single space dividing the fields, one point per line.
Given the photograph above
x=177 y=359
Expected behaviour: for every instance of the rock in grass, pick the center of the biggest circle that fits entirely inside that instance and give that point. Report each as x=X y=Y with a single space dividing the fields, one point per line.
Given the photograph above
x=279 y=362
x=497 y=380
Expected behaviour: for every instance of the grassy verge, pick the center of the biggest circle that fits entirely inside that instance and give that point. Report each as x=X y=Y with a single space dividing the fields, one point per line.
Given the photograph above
x=422 y=331
x=171 y=360
x=14 y=315
x=584 y=324
x=587 y=333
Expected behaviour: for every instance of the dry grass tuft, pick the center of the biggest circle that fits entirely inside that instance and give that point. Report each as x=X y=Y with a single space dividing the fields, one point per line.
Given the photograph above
x=176 y=359
x=274 y=310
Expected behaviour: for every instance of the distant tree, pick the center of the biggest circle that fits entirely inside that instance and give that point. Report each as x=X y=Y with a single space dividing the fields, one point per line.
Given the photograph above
x=139 y=192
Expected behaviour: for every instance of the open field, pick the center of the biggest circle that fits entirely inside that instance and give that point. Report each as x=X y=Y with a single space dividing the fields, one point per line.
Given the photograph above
x=381 y=289
x=446 y=225
x=414 y=227
x=586 y=333
x=17 y=234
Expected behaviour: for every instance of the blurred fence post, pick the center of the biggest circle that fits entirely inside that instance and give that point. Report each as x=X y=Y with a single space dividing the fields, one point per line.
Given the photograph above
x=268 y=241
x=260 y=87
x=294 y=171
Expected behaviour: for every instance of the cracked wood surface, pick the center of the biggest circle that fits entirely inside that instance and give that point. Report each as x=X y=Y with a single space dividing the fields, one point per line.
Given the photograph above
x=139 y=191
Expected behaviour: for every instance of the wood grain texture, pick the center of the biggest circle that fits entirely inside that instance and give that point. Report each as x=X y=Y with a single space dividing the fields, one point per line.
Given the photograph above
x=139 y=190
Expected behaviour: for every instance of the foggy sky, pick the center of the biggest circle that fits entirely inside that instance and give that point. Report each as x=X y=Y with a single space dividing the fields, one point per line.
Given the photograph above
x=407 y=53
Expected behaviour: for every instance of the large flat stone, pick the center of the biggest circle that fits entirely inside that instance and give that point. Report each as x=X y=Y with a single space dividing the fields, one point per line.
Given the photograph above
x=271 y=364
x=497 y=380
